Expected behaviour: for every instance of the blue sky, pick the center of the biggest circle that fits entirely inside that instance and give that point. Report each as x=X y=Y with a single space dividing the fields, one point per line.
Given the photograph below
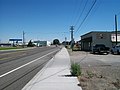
x=50 y=19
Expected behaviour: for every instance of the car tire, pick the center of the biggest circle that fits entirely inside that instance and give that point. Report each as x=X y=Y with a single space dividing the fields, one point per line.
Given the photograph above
x=112 y=52
x=118 y=52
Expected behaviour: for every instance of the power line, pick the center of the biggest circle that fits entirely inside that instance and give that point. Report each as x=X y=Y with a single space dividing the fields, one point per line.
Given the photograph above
x=47 y=32
x=118 y=13
x=78 y=11
x=74 y=11
x=81 y=13
x=86 y=15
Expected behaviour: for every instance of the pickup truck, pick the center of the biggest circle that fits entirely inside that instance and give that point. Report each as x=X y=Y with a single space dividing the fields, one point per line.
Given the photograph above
x=100 y=49
x=115 y=49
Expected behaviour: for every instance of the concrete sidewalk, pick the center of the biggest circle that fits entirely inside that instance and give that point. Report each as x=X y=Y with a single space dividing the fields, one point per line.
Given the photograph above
x=51 y=77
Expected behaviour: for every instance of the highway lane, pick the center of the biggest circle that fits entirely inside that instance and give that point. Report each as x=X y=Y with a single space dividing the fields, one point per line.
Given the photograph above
x=14 y=74
x=10 y=55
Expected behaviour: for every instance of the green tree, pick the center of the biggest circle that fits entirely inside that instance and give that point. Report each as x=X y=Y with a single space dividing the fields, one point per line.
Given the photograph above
x=56 y=41
x=30 y=44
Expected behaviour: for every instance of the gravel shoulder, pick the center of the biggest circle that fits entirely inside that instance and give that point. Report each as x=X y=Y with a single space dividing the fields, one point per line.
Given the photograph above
x=99 y=72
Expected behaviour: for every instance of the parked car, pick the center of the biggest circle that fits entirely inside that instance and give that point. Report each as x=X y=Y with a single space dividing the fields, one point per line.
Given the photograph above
x=100 y=49
x=115 y=49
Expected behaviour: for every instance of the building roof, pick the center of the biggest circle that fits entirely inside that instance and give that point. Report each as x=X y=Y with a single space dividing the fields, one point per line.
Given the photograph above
x=99 y=32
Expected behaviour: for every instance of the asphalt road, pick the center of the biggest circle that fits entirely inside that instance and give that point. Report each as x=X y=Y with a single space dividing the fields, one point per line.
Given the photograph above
x=17 y=68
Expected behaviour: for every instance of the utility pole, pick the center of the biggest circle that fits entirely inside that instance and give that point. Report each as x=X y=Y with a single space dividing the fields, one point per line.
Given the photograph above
x=72 y=39
x=23 y=39
x=71 y=30
x=116 y=27
x=65 y=41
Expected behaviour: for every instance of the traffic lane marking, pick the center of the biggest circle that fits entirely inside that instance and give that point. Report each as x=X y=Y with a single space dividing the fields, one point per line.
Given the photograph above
x=25 y=64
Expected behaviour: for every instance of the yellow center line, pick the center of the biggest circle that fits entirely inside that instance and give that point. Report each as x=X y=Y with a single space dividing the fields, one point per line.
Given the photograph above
x=5 y=58
x=12 y=53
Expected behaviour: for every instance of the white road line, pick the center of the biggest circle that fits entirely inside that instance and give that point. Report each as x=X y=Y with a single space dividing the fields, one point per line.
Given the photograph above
x=25 y=65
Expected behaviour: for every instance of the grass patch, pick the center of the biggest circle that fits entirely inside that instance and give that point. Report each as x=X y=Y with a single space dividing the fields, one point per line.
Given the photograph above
x=75 y=69
x=90 y=74
x=8 y=48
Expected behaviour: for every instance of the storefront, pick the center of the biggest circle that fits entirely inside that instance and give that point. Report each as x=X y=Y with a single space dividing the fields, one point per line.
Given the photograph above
x=98 y=37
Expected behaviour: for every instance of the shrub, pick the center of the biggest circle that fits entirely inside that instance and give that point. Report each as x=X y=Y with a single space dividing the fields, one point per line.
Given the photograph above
x=30 y=44
x=75 y=69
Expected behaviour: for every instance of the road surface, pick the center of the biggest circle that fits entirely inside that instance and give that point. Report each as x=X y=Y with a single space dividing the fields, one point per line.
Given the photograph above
x=18 y=67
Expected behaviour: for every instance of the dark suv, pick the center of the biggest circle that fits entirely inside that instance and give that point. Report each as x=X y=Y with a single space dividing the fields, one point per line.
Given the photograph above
x=100 y=49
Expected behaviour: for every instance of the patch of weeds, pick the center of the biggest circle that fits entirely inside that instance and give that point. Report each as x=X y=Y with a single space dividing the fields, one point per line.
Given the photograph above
x=116 y=83
x=75 y=69
x=100 y=76
x=90 y=74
